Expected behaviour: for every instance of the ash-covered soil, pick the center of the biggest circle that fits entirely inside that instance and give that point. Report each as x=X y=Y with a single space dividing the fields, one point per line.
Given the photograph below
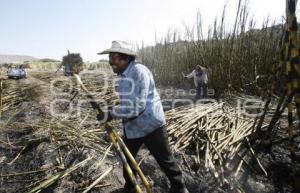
x=34 y=147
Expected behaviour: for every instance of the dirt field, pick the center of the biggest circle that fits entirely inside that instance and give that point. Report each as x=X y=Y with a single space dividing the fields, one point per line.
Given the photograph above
x=35 y=145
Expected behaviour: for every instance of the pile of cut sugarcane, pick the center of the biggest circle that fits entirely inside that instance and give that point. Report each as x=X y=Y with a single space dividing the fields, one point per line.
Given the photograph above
x=214 y=129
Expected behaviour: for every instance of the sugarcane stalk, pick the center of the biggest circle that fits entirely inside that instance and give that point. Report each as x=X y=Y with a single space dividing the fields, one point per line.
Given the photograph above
x=46 y=183
x=257 y=160
x=125 y=163
x=98 y=180
x=23 y=173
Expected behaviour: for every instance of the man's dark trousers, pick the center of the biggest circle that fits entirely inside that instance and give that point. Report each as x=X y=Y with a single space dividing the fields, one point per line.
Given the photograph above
x=201 y=91
x=158 y=145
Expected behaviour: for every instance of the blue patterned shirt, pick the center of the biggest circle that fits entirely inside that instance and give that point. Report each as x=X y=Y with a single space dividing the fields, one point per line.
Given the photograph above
x=140 y=105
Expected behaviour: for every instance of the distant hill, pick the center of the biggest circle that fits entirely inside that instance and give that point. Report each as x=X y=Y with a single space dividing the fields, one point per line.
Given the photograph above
x=48 y=60
x=16 y=59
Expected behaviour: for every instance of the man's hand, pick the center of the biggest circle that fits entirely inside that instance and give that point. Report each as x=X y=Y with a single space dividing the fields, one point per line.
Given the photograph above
x=104 y=117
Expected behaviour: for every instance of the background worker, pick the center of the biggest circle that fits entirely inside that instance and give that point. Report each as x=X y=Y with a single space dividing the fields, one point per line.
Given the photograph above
x=200 y=81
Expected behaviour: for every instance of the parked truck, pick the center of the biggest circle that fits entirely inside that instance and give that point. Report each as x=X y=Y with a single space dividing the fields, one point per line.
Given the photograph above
x=16 y=72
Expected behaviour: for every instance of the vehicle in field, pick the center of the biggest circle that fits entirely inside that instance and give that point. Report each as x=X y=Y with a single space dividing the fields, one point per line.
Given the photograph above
x=16 y=73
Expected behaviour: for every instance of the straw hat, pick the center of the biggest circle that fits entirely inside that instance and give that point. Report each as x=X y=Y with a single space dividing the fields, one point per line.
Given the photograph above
x=120 y=47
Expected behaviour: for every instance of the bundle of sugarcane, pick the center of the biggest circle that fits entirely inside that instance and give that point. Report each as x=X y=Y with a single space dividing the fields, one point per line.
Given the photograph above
x=73 y=61
x=215 y=129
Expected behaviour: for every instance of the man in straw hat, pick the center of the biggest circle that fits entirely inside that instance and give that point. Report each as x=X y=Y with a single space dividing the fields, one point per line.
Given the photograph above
x=142 y=113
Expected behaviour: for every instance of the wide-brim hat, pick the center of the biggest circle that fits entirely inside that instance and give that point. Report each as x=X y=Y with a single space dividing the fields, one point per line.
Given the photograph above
x=120 y=47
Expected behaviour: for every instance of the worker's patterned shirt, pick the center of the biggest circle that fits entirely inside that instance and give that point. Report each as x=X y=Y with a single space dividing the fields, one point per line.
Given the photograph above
x=140 y=105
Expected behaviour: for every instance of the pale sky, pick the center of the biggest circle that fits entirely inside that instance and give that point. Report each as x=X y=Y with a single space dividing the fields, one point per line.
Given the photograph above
x=47 y=28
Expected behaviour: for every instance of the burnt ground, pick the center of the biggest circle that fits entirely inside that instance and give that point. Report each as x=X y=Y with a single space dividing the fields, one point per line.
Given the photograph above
x=24 y=166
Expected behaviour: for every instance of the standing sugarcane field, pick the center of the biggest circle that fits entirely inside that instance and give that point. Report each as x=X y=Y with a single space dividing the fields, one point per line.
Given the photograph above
x=153 y=96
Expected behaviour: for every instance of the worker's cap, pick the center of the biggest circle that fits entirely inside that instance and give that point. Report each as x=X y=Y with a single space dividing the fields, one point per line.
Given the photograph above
x=120 y=47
